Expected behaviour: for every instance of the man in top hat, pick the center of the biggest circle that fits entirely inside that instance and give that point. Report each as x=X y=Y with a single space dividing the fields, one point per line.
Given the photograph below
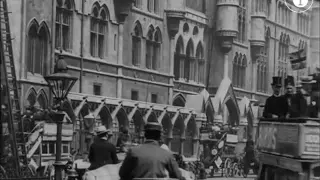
x=276 y=105
x=149 y=160
x=101 y=151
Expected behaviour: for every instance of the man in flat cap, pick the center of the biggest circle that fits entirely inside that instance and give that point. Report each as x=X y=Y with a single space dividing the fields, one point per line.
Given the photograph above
x=276 y=106
x=149 y=160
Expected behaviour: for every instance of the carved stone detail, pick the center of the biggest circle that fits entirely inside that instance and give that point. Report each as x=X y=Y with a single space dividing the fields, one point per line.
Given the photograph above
x=173 y=20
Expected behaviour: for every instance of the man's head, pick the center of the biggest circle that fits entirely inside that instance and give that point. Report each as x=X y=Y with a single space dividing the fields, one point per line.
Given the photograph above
x=102 y=132
x=306 y=84
x=276 y=85
x=153 y=131
x=289 y=85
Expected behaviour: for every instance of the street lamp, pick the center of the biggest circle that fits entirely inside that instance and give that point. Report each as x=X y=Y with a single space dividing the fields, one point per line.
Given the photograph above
x=60 y=83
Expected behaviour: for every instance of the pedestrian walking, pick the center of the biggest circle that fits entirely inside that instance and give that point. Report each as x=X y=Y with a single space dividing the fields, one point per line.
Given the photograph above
x=149 y=160
x=101 y=151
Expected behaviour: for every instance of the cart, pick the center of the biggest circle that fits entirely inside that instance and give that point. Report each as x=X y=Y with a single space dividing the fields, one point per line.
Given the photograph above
x=289 y=149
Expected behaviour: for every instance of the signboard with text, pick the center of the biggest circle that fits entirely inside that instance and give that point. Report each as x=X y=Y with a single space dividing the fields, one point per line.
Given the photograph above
x=289 y=139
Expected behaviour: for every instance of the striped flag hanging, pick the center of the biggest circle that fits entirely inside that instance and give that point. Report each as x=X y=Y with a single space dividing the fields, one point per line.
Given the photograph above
x=298 y=59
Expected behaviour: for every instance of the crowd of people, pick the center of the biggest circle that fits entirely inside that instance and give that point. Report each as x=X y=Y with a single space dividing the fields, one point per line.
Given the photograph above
x=296 y=102
x=148 y=160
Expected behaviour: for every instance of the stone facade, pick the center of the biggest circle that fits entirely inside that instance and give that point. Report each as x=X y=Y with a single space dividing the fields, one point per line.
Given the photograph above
x=158 y=52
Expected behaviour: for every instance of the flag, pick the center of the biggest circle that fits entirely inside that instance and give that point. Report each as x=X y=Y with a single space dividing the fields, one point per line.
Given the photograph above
x=298 y=59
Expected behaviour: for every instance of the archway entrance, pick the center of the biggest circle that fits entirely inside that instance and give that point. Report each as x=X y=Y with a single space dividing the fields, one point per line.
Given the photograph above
x=177 y=132
x=137 y=130
x=190 y=134
x=167 y=128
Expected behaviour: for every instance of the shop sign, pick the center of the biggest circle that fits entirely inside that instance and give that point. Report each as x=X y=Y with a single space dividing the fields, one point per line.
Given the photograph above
x=312 y=140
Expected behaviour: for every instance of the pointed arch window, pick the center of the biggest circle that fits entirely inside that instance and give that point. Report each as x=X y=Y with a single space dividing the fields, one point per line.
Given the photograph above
x=242 y=13
x=38 y=39
x=239 y=70
x=189 y=62
x=179 y=59
x=153 y=46
x=98 y=31
x=200 y=65
x=64 y=12
x=136 y=44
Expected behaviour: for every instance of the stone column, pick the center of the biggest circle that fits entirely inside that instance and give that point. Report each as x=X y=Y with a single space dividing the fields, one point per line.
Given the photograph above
x=173 y=22
x=120 y=60
x=171 y=64
x=227 y=28
x=257 y=42
x=122 y=9
x=182 y=139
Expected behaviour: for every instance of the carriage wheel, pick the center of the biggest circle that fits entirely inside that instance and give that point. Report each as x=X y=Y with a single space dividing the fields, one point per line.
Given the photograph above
x=235 y=169
x=227 y=168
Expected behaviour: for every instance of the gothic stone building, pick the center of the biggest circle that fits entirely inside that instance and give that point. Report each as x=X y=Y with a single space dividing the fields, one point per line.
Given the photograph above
x=151 y=60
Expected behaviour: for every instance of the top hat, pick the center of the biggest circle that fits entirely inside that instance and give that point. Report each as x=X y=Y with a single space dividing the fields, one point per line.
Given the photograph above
x=153 y=126
x=289 y=81
x=276 y=81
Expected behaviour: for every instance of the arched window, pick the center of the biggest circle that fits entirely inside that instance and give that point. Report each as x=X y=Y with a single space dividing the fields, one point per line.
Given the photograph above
x=268 y=6
x=31 y=98
x=149 y=47
x=242 y=12
x=200 y=65
x=98 y=31
x=64 y=12
x=42 y=50
x=179 y=59
x=32 y=47
x=262 y=73
x=235 y=70
x=136 y=44
x=38 y=39
x=42 y=101
x=189 y=62
x=153 y=45
x=157 y=49
x=243 y=68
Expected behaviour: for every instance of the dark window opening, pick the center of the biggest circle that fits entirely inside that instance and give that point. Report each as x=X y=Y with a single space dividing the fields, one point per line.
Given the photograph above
x=97 y=89
x=134 y=95
x=154 y=98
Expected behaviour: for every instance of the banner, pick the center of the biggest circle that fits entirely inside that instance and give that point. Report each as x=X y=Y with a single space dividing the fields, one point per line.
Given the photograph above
x=298 y=59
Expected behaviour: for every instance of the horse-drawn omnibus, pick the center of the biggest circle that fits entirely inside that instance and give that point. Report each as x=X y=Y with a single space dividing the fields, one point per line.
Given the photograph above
x=289 y=149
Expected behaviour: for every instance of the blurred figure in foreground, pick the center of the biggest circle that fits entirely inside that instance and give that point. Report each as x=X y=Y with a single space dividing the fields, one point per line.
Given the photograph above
x=101 y=151
x=149 y=160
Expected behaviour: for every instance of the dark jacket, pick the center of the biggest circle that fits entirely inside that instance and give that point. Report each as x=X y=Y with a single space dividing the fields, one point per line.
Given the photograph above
x=101 y=153
x=298 y=107
x=149 y=161
x=276 y=105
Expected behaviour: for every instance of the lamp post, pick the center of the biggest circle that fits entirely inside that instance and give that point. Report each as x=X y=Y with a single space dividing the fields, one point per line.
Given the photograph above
x=60 y=83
